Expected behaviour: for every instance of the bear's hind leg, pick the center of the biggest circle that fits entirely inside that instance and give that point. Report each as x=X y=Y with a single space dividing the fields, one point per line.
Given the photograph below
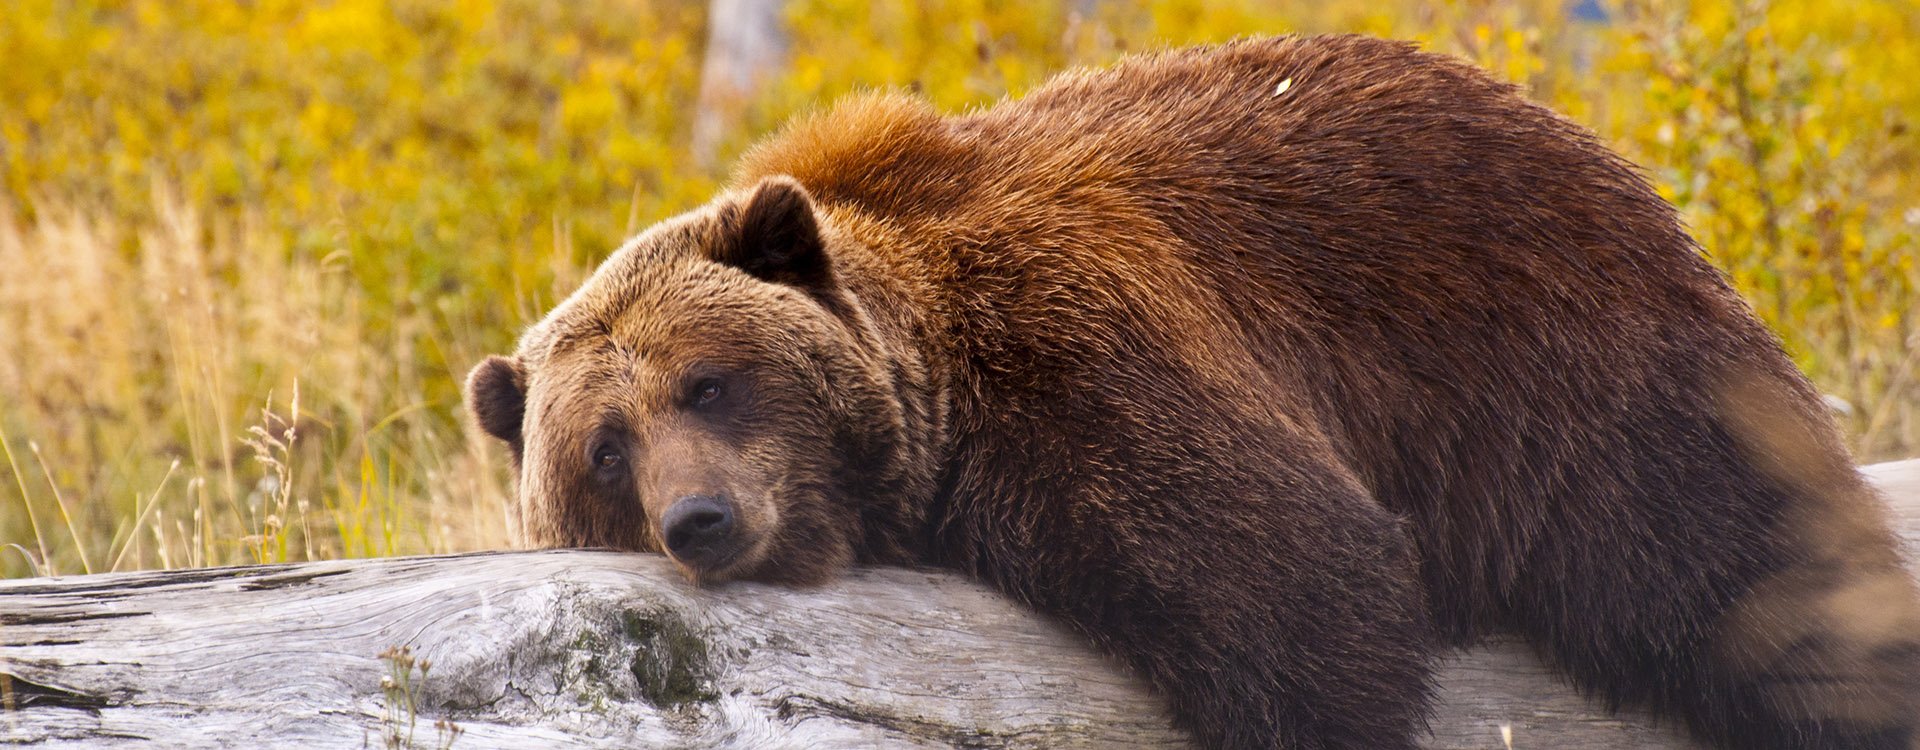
x=1825 y=652
x=1799 y=634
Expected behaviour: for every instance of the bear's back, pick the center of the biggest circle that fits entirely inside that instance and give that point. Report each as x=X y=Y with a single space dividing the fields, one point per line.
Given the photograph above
x=1375 y=225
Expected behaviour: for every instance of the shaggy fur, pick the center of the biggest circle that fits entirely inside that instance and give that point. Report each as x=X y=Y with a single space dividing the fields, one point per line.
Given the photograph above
x=1271 y=393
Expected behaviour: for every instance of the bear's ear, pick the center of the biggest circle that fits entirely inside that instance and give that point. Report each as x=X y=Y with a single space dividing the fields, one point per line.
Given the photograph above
x=497 y=394
x=775 y=236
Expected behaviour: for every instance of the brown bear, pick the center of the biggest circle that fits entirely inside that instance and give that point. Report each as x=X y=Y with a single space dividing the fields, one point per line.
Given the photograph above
x=1272 y=367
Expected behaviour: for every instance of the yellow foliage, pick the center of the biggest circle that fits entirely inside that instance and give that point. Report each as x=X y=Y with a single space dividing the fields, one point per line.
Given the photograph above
x=205 y=205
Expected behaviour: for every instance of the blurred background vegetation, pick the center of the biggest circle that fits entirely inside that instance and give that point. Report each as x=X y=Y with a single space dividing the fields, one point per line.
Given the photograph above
x=249 y=249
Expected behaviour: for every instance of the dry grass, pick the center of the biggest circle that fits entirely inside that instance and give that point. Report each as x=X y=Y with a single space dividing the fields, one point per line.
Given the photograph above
x=221 y=400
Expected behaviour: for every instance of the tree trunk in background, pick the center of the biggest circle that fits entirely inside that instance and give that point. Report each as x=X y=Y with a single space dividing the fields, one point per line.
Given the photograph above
x=745 y=46
x=584 y=649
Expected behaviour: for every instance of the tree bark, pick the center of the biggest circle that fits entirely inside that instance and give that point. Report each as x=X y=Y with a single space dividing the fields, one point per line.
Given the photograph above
x=597 y=649
x=745 y=46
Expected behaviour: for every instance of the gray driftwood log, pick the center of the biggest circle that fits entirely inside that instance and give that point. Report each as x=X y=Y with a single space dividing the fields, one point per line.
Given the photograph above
x=596 y=649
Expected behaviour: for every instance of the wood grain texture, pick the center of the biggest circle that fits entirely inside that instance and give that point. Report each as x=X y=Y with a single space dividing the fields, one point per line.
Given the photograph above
x=592 y=649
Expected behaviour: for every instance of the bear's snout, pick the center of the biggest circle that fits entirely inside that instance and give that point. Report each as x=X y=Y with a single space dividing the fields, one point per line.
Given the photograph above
x=698 y=530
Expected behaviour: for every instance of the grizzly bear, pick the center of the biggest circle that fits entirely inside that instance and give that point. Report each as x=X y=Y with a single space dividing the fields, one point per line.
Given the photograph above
x=1272 y=367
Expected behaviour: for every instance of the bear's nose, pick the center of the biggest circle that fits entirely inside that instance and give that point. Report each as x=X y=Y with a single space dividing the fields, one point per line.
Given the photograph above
x=698 y=528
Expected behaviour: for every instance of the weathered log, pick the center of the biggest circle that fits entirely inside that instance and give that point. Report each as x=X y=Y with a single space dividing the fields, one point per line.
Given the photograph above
x=597 y=649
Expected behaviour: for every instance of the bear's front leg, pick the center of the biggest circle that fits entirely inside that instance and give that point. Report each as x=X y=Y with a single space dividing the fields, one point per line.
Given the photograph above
x=1270 y=600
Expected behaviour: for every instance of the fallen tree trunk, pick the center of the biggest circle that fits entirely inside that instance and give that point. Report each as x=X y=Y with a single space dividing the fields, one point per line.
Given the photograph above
x=597 y=649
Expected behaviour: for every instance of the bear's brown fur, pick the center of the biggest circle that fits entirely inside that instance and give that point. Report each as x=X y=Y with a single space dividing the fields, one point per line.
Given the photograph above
x=1270 y=390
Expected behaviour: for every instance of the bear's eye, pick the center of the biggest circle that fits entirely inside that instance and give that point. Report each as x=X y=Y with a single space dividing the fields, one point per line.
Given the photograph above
x=606 y=456
x=706 y=392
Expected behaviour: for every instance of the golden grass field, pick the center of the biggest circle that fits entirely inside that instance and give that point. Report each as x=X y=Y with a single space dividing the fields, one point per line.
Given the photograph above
x=248 y=250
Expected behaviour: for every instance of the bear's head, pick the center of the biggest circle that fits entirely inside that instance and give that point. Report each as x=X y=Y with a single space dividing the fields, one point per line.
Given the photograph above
x=714 y=392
